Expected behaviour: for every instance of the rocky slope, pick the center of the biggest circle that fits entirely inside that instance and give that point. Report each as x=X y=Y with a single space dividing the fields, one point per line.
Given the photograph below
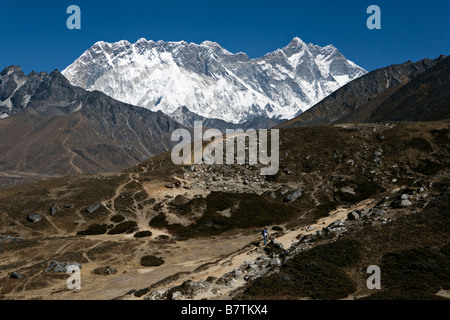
x=50 y=127
x=212 y=82
x=343 y=200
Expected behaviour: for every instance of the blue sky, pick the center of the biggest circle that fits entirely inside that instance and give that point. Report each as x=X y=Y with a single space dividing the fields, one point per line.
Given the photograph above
x=33 y=34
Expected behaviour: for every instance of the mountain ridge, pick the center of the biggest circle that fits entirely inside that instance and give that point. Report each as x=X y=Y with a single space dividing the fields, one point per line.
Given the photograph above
x=211 y=81
x=352 y=97
x=52 y=128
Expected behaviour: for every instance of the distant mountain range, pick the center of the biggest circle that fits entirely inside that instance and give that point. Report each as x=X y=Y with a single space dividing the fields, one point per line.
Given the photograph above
x=51 y=127
x=209 y=81
x=411 y=91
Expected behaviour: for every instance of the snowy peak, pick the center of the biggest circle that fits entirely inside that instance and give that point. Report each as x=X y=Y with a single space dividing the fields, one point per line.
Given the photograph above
x=211 y=81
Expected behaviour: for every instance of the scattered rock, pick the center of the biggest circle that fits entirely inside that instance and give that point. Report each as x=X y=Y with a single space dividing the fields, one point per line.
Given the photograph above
x=274 y=247
x=105 y=271
x=377 y=212
x=61 y=266
x=353 y=215
x=53 y=210
x=92 y=208
x=34 y=217
x=275 y=262
x=176 y=295
x=293 y=195
x=405 y=203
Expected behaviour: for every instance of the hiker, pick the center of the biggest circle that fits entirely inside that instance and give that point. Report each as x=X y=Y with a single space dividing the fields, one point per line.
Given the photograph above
x=265 y=234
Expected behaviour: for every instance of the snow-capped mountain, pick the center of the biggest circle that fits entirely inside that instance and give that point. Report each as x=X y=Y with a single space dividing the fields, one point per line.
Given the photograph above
x=211 y=81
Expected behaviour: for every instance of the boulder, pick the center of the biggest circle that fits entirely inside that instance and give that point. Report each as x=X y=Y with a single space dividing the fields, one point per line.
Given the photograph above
x=61 y=266
x=405 y=196
x=274 y=247
x=275 y=262
x=405 y=203
x=335 y=224
x=15 y=275
x=53 y=210
x=293 y=195
x=353 y=215
x=377 y=212
x=93 y=208
x=34 y=217
x=106 y=271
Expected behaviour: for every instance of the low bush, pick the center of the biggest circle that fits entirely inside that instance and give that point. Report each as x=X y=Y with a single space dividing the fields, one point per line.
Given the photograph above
x=151 y=261
x=93 y=230
x=124 y=227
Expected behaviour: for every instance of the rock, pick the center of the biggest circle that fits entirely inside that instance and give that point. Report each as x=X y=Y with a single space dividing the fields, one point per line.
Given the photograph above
x=176 y=295
x=274 y=247
x=405 y=203
x=53 y=210
x=93 y=208
x=252 y=266
x=377 y=212
x=271 y=195
x=377 y=154
x=275 y=262
x=106 y=271
x=363 y=213
x=353 y=215
x=211 y=279
x=337 y=223
x=15 y=275
x=61 y=266
x=293 y=195
x=236 y=272
x=34 y=217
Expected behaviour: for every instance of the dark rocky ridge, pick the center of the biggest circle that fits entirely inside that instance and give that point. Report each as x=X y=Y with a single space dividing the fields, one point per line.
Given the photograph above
x=378 y=84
